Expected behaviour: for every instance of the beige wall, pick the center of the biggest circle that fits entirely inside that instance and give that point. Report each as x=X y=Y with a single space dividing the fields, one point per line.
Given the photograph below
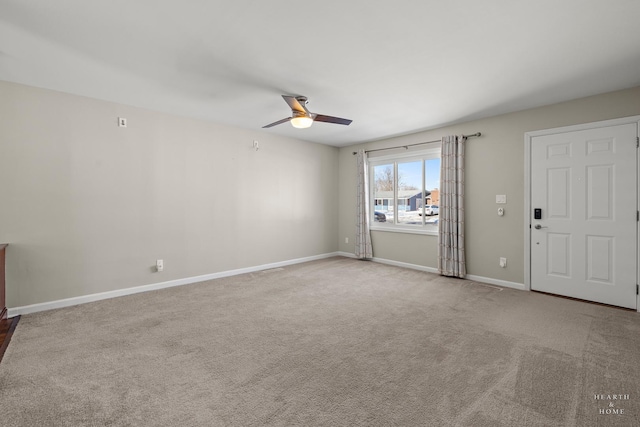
x=88 y=207
x=494 y=165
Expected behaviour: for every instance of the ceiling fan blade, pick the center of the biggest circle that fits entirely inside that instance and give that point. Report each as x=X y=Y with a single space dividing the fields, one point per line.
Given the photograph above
x=331 y=119
x=295 y=104
x=277 y=123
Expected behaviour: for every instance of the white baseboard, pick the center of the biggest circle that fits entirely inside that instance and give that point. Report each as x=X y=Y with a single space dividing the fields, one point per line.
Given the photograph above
x=405 y=265
x=346 y=254
x=67 y=302
x=488 y=280
x=501 y=283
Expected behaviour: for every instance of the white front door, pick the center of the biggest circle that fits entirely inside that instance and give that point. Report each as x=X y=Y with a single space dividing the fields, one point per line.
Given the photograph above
x=584 y=183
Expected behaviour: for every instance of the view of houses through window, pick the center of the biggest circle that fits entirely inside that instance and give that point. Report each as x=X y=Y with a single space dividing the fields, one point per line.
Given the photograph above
x=405 y=191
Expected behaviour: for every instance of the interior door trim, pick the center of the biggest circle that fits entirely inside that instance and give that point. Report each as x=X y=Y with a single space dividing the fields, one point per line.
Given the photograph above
x=528 y=137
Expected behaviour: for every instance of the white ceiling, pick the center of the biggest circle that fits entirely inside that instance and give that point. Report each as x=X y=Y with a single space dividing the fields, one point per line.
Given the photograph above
x=394 y=67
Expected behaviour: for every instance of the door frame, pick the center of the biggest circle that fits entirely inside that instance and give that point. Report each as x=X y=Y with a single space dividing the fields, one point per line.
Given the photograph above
x=528 y=137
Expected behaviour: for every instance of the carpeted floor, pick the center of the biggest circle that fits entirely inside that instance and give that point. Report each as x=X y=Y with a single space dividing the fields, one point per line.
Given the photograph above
x=336 y=342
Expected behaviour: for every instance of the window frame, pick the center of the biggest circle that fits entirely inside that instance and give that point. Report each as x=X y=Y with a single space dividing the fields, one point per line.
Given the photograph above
x=429 y=153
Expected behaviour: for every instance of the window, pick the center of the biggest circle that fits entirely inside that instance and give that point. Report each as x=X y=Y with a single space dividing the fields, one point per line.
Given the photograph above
x=404 y=191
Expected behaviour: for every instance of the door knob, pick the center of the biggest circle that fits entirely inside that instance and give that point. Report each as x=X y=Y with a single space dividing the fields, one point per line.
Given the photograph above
x=538 y=226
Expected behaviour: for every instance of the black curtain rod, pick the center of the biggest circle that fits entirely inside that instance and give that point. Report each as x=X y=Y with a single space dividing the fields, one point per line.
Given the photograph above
x=418 y=143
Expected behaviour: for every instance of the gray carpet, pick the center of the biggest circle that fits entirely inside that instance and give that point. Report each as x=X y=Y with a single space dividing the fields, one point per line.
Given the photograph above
x=337 y=342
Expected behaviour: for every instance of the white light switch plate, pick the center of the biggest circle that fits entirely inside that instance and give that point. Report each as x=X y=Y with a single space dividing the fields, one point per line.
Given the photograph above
x=501 y=198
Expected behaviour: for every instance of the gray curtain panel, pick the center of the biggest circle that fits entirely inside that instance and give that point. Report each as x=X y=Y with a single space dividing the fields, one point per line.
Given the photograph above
x=364 y=249
x=451 y=259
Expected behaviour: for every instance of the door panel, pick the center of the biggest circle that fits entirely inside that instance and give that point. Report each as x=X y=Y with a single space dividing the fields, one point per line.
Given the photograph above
x=600 y=259
x=559 y=255
x=559 y=193
x=584 y=246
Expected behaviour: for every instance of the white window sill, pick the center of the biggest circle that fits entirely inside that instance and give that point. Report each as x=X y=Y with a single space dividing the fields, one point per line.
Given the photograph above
x=401 y=229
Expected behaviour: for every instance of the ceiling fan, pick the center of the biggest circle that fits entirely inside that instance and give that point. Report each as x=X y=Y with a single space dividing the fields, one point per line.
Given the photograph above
x=301 y=117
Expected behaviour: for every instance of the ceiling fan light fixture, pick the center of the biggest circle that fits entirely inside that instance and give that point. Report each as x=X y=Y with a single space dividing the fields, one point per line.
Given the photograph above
x=301 y=122
x=301 y=117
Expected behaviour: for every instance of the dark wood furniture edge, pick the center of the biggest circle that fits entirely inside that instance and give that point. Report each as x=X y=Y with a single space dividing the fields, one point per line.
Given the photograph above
x=10 y=325
x=3 y=299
